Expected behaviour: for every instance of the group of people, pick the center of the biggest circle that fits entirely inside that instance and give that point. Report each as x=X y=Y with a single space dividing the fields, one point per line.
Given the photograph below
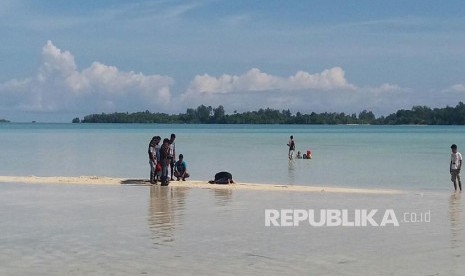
x=291 y=145
x=162 y=157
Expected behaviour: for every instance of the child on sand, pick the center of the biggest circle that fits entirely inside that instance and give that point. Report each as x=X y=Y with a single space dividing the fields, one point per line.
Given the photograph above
x=455 y=166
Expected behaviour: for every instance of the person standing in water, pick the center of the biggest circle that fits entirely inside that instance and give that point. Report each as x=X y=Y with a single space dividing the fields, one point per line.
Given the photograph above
x=455 y=166
x=291 y=146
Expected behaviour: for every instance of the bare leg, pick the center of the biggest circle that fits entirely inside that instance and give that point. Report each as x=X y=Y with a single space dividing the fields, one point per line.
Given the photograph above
x=458 y=180
x=453 y=178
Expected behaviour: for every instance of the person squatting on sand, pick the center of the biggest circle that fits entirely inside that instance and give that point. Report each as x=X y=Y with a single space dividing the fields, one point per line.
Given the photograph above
x=455 y=166
x=172 y=154
x=180 y=169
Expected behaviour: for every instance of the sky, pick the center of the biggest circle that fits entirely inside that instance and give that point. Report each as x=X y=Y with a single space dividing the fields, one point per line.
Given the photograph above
x=66 y=59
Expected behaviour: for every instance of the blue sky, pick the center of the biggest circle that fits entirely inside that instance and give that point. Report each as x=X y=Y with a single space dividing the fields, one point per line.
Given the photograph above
x=66 y=59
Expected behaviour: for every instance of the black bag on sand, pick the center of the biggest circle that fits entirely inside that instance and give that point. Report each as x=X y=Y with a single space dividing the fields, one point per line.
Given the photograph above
x=222 y=178
x=221 y=175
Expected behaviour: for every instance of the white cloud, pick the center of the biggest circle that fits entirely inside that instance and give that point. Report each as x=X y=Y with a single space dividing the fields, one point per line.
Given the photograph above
x=457 y=88
x=60 y=86
x=328 y=90
x=330 y=79
x=255 y=80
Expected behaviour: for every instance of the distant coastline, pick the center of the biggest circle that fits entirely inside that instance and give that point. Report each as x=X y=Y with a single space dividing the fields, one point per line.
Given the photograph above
x=4 y=121
x=417 y=115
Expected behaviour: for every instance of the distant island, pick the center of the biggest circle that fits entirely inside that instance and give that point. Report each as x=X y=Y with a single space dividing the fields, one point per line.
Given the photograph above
x=418 y=115
x=4 y=121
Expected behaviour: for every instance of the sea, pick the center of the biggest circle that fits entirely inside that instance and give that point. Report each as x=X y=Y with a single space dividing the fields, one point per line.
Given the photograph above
x=400 y=157
x=50 y=229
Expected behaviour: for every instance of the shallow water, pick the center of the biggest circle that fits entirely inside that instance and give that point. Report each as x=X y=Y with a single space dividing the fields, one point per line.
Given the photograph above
x=405 y=157
x=138 y=230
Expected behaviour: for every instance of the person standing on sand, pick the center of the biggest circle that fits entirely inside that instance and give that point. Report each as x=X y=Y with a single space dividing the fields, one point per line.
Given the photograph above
x=455 y=166
x=172 y=154
x=157 y=157
x=165 y=160
x=152 y=160
x=291 y=146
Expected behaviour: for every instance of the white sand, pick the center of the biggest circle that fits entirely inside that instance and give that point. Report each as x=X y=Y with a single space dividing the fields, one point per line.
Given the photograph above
x=97 y=180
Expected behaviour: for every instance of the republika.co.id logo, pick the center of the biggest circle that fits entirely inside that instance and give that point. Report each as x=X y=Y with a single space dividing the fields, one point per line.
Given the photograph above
x=342 y=217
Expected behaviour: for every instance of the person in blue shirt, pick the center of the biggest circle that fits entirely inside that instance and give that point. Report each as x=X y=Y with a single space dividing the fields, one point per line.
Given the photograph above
x=180 y=169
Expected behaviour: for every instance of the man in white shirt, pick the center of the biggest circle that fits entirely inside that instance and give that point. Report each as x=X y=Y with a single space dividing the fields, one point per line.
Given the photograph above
x=455 y=166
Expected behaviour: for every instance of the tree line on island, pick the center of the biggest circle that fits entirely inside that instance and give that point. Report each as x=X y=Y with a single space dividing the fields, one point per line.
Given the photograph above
x=418 y=115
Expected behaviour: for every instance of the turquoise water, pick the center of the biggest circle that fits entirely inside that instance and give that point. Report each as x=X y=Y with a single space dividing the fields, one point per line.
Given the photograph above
x=406 y=157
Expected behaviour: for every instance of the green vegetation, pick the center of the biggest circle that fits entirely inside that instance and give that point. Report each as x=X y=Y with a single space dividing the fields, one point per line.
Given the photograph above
x=418 y=115
x=4 y=121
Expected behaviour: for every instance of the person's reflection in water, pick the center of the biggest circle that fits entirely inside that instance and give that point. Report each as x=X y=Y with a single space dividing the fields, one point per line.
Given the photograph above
x=166 y=204
x=456 y=227
x=291 y=172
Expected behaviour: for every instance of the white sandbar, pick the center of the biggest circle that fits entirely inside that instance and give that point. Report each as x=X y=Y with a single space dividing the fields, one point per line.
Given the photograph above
x=98 y=180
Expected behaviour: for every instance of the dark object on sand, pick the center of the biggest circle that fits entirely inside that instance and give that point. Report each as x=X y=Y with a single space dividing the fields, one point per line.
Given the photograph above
x=222 y=178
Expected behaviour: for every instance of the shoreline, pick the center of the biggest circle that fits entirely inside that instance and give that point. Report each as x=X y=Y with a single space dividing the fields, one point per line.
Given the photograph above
x=98 y=180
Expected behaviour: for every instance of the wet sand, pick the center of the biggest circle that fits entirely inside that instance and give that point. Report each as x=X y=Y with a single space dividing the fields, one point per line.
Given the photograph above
x=98 y=180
